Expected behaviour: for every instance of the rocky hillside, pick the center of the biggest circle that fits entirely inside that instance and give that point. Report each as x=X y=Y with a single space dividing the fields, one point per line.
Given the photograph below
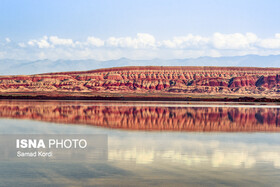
x=227 y=81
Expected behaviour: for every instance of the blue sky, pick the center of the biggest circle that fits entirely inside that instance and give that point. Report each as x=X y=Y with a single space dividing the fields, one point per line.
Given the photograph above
x=138 y=29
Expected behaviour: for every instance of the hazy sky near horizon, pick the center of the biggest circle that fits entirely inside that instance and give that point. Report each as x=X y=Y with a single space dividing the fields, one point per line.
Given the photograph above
x=138 y=29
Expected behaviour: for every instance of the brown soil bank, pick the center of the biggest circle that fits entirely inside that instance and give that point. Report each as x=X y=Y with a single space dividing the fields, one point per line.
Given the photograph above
x=159 y=82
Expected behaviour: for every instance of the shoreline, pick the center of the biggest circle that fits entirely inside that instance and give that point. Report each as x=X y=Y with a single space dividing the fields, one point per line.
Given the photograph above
x=142 y=98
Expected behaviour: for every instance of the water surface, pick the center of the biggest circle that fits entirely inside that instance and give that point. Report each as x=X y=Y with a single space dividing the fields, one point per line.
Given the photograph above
x=168 y=146
x=160 y=116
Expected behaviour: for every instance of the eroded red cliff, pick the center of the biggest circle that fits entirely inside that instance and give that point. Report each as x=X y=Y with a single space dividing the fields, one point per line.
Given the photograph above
x=152 y=80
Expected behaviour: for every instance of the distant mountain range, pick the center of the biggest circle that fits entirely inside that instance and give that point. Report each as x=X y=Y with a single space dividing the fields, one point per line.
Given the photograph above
x=21 y=67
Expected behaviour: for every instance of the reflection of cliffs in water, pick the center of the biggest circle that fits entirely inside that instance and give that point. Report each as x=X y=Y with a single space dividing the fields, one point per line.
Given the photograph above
x=193 y=118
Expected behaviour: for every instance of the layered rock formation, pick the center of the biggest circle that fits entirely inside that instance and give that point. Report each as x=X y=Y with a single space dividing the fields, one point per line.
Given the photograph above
x=133 y=116
x=229 y=81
